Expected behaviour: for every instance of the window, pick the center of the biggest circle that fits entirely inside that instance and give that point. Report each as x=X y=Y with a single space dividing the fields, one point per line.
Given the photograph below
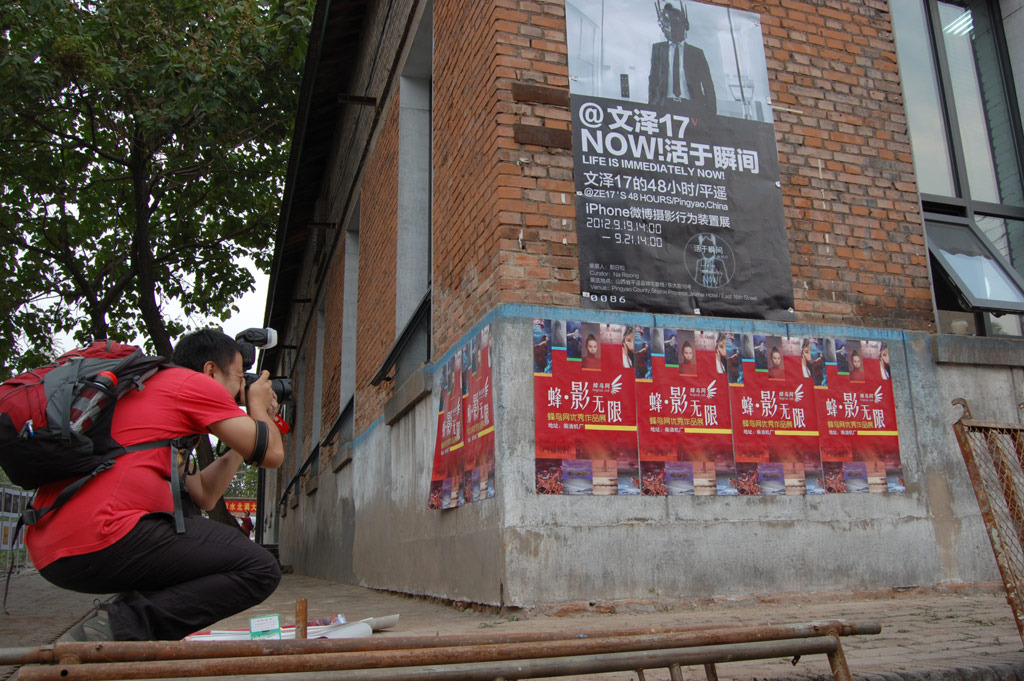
x=318 y=384
x=349 y=305
x=414 y=239
x=965 y=134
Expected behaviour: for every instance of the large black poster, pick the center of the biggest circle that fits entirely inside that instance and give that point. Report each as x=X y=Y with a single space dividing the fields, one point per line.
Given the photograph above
x=679 y=206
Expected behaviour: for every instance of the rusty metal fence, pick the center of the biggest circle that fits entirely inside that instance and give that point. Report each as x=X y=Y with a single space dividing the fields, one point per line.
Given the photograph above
x=473 y=657
x=994 y=454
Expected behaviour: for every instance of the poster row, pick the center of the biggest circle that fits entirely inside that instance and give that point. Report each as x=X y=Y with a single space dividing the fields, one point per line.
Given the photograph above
x=463 y=469
x=671 y=411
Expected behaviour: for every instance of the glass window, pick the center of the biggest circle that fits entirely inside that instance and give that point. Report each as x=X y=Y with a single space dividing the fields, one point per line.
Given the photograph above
x=965 y=136
x=1007 y=236
x=958 y=39
x=1004 y=325
x=974 y=267
x=928 y=130
x=1013 y=24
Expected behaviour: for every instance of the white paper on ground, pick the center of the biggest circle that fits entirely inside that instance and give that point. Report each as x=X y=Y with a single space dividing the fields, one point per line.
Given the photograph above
x=347 y=630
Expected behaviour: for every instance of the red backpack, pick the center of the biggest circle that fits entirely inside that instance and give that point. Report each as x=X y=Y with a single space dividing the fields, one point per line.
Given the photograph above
x=55 y=420
x=55 y=423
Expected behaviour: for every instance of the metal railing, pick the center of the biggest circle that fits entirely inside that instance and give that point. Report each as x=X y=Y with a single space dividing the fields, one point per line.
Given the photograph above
x=994 y=455
x=13 y=500
x=477 y=657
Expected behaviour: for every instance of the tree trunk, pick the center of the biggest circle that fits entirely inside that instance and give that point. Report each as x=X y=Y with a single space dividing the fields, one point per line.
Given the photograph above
x=142 y=255
x=142 y=251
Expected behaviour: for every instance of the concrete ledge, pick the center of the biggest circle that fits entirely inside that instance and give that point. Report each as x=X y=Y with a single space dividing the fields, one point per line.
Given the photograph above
x=415 y=388
x=311 y=483
x=341 y=458
x=947 y=349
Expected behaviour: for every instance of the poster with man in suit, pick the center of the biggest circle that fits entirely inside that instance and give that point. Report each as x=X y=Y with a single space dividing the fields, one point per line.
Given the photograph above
x=678 y=194
x=679 y=69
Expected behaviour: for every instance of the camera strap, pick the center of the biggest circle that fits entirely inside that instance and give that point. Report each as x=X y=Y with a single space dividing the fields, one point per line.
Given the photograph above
x=259 y=451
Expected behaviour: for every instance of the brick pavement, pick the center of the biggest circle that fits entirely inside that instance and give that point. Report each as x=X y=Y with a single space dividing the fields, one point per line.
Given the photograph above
x=964 y=634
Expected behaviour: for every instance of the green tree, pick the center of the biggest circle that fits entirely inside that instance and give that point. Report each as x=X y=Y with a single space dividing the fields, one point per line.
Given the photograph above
x=243 y=486
x=143 y=147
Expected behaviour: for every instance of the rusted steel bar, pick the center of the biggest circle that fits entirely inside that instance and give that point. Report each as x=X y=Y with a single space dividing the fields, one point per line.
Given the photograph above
x=1018 y=446
x=962 y=430
x=116 y=651
x=398 y=658
x=141 y=651
x=1004 y=471
x=675 y=672
x=301 y=612
x=837 y=662
x=710 y=671
x=27 y=655
x=545 y=667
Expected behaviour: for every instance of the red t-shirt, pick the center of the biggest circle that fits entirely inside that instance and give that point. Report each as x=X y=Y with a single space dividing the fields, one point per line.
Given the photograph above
x=174 y=402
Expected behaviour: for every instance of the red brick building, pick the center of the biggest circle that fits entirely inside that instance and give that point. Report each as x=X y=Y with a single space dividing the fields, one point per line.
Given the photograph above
x=431 y=191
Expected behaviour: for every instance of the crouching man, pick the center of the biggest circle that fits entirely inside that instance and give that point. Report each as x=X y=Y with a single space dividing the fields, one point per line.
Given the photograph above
x=117 y=534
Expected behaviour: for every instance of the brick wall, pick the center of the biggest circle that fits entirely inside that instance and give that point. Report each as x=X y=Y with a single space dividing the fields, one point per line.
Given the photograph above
x=504 y=212
x=378 y=226
x=334 y=291
x=466 y=121
x=503 y=228
x=856 y=239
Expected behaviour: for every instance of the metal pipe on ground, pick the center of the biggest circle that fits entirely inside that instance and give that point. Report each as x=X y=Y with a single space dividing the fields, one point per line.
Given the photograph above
x=271 y=664
x=301 y=613
x=548 y=667
x=141 y=651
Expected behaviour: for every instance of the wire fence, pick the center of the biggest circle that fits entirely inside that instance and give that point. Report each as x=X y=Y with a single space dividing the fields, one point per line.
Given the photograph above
x=994 y=454
x=13 y=500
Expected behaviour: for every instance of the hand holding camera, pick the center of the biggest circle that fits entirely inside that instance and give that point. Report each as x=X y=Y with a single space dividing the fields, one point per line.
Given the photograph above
x=280 y=388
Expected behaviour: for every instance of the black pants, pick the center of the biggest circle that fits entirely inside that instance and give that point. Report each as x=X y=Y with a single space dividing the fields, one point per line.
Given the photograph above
x=171 y=585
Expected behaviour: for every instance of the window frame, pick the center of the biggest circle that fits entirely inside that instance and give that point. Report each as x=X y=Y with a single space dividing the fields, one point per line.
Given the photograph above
x=975 y=303
x=962 y=210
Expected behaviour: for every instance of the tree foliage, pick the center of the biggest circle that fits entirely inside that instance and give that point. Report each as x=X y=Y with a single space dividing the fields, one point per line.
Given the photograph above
x=143 y=147
x=243 y=486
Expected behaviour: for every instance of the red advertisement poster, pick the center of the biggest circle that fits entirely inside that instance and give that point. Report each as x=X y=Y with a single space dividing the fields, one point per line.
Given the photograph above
x=241 y=505
x=860 y=449
x=585 y=407
x=478 y=457
x=775 y=420
x=683 y=415
x=446 y=479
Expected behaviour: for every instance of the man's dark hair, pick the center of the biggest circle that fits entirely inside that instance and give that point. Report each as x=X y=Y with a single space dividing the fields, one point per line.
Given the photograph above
x=195 y=349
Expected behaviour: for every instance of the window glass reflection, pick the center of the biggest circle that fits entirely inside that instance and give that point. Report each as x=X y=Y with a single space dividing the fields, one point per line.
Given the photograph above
x=1007 y=236
x=927 y=123
x=958 y=39
x=982 y=276
x=1004 y=325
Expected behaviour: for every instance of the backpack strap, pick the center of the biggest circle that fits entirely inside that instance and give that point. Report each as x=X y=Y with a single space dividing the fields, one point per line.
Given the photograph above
x=179 y=519
x=31 y=516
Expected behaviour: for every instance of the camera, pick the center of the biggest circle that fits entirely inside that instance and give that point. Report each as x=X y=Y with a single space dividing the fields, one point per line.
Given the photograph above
x=253 y=338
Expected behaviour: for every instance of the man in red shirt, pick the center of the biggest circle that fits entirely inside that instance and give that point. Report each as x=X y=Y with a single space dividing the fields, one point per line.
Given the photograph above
x=117 y=533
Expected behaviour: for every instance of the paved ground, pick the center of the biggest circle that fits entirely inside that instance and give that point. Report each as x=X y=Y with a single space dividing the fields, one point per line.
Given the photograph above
x=927 y=634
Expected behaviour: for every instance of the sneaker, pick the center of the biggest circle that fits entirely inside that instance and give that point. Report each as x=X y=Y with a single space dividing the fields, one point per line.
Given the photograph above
x=95 y=627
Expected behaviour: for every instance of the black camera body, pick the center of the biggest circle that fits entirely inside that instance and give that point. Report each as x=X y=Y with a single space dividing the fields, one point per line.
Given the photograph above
x=249 y=340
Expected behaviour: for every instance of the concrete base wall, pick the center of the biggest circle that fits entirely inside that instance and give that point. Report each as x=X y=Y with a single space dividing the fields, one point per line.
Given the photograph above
x=369 y=524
